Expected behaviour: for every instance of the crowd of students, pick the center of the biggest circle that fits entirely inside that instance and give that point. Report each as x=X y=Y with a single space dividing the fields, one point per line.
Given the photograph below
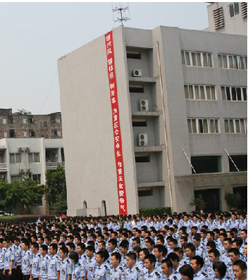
x=179 y=246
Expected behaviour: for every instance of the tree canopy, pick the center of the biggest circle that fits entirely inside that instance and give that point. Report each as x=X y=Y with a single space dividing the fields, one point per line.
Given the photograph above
x=19 y=195
x=56 y=190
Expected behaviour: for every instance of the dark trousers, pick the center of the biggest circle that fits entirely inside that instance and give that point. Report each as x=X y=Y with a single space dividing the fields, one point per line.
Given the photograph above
x=7 y=276
x=26 y=277
x=1 y=274
x=19 y=275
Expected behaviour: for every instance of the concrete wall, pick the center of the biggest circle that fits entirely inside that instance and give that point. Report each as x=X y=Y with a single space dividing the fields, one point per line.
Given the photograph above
x=84 y=90
x=234 y=25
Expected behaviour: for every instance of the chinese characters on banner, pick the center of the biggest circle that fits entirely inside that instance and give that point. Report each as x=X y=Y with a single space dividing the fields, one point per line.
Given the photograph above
x=122 y=199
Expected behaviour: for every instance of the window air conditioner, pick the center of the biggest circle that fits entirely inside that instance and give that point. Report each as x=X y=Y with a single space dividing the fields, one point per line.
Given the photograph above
x=143 y=105
x=143 y=140
x=137 y=73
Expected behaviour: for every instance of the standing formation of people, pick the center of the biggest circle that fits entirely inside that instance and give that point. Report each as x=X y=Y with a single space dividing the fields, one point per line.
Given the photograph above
x=179 y=246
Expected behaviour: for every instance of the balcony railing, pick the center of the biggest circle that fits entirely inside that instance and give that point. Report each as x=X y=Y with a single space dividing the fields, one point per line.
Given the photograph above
x=3 y=166
x=53 y=165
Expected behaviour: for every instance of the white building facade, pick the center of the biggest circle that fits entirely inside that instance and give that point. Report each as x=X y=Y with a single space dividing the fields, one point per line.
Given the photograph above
x=227 y=17
x=30 y=158
x=182 y=106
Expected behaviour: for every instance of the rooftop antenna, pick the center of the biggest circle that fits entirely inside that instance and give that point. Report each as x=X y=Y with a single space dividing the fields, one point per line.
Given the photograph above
x=120 y=12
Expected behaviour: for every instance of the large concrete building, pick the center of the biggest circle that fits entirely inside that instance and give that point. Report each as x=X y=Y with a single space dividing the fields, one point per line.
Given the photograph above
x=227 y=17
x=182 y=108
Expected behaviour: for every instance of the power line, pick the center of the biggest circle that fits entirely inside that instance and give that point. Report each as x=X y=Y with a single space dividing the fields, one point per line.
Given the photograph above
x=48 y=92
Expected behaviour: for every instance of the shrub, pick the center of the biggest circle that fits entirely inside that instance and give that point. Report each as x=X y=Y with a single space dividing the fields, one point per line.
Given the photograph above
x=18 y=219
x=155 y=211
x=233 y=199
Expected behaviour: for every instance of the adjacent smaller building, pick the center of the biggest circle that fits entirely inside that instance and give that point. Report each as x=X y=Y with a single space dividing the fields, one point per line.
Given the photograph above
x=17 y=125
x=30 y=145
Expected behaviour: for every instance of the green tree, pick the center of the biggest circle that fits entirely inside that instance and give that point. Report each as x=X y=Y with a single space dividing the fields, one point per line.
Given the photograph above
x=19 y=194
x=24 y=112
x=56 y=190
x=198 y=203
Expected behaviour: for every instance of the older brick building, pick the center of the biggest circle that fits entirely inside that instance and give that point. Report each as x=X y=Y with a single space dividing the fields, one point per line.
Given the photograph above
x=18 y=125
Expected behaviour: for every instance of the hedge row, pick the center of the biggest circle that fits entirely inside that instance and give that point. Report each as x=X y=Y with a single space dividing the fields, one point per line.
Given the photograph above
x=17 y=219
x=155 y=211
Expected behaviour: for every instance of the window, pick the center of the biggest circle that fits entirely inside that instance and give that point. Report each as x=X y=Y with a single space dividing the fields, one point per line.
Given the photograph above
x=15 y=158
x=10 y=119
x=25 y=134
x=12 y=133
x=233 y=9
x=199 y=59
x=234 y=93
x=24 y=121
x=139 y=123
x=200 y=92
x=16 y=178
x=34 y=157
x=30 y=120
x=32 y=133
x=203 y=125
x=230 y=61
x=206 y=164
x=142 y=158
x=240 y=161
x=137 y=89
x=54 y=132
x=4 y=121
x=45 y=124
x=5 y=134
x=59 y=134
x=134 y=55
x=58 y=120
x=145 y=192
x=36 y=177
x=235 y=125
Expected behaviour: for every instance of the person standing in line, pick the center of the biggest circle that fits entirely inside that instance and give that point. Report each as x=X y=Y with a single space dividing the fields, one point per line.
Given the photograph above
x=26 y=259
x=8 y=260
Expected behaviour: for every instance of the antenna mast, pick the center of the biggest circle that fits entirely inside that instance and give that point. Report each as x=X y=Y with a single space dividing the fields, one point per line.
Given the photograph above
x=120 y=12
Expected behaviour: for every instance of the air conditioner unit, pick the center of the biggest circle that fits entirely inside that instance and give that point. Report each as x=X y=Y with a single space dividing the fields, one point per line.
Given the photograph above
x=20 y=150
x=27 y=171
x=143 y=140
x=27 y=150
x=143 y=105
x=137 y=73
x=21 y=171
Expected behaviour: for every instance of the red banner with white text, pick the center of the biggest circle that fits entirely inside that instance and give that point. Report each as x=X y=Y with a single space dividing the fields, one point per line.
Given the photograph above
x=122 y=198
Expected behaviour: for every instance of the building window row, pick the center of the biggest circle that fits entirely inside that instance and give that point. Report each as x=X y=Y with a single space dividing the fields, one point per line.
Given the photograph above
x=235 y=126
x=234 y=93
x=16 y=157
x=230 y=61
x=200 y=59
x=213 y=164
x=204 y=59
x=210 y=125
x=201 y=125
x=200 y=92
x=208 y=92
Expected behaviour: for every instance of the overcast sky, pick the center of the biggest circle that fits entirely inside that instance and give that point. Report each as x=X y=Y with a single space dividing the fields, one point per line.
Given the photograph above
x=34 y=35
